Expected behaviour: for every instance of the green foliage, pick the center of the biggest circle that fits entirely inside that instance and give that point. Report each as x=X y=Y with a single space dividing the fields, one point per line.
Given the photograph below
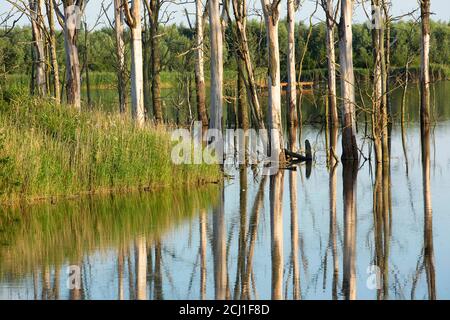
x=178 y=41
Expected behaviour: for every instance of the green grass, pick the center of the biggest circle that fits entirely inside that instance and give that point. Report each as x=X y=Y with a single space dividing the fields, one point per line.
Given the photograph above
x=48 y=150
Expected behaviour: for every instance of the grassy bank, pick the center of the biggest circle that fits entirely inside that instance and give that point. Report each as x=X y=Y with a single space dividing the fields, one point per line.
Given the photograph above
x=48 y=151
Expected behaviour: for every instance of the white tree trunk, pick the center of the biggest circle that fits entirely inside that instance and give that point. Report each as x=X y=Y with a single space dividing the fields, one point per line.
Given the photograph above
x=349 y=145
x=292 y=82
x=216 y=65
x=271 y=15
x=73 y=75
x=120 y=54
x=331 y=60
x=425 y=63
x=137 y=75
x=199 y=64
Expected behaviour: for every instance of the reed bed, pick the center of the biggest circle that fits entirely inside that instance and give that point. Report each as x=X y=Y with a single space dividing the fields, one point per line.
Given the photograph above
x=49 y=151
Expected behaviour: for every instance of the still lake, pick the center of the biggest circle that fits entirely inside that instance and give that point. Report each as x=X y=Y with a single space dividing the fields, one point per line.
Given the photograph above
x=218 y=241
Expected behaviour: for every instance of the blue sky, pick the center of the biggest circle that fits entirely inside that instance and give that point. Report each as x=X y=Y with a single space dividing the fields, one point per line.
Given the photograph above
x=440 y=9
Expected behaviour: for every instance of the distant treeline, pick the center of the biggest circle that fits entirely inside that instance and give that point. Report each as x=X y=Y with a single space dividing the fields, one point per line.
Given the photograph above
x=178 y=41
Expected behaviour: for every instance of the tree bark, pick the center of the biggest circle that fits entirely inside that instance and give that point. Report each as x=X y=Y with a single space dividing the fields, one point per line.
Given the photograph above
x=155 y=60
x=240 y=13
x=38 y=46
x=120 y=56
x=333 y=120
x=86 y=65
x=53 y=56
x=292 y=82
x=216 y=65
x=349 y=144
x=199 y=65
x=133 y=18
x=425 y=64
x=377 y=96
x=271 y=15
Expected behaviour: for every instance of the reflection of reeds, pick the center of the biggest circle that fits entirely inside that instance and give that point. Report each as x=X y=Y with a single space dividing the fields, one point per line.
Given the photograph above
x=54 y=234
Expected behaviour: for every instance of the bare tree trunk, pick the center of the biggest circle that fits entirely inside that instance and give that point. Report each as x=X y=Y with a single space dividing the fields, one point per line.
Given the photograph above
x=38 y=46
x=387 y=55
x=155 y=60
x=199 y=65
x=147 y=61
x=53 y=56
x=133 y=18
x=425 y=63
x=120 y=55
x=240 y=13
x=425 y=135
x=333 y=120
x=349 y=144
x=73 y=75
x=377 y=97
x=216 y=65
x=292 y=82
x=86 y=65
x=241 y=97
x=271 y=15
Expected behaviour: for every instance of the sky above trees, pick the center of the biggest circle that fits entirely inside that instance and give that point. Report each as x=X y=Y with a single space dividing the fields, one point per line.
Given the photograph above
x=175 y=13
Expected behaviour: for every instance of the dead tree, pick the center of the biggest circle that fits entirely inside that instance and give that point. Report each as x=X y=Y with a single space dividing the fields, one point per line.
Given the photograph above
x=120 y=55
x=199 y=64
x=349 y=144
x=425 y=63
x=216 y=48
x=292 y=82
x=377 y=95
x=153 y=7
x=333 y=116
x=133 y=20
x=52 y=43
x=243 y=51
x=39 y=63
x=272 y=16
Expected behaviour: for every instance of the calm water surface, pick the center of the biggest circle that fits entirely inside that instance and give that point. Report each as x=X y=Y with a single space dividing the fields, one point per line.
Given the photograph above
x=232 y=242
